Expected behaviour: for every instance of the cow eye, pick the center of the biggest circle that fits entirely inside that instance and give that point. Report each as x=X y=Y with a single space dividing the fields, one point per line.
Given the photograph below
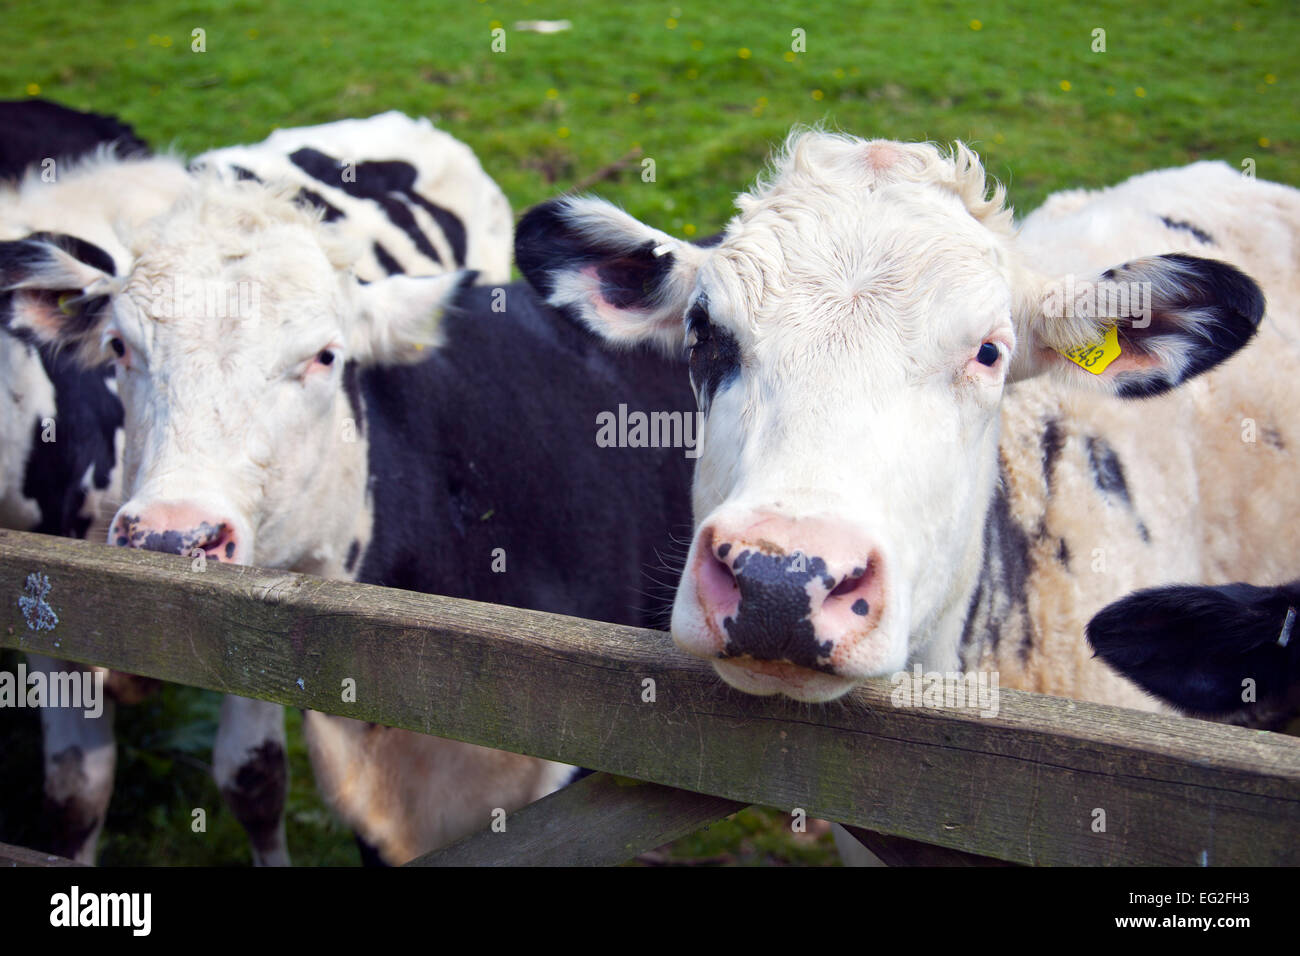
x=988 y=354
x=325 y=357
x=118 y=346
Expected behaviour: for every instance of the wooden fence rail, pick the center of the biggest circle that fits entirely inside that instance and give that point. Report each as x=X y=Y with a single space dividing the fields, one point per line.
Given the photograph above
x=1024 y=786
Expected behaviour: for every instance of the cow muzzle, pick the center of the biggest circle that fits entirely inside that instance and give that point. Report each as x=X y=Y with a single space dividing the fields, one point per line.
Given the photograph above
x=784 y=605
x=179 y=527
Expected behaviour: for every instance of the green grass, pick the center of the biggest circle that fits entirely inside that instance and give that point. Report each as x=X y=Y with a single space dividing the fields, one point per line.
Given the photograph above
x=703 y=91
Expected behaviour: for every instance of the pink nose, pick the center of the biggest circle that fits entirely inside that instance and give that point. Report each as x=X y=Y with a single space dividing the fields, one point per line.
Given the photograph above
x=177 y=527
x=779 y=589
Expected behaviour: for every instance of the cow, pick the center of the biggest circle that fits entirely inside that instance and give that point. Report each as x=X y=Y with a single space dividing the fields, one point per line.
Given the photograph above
x=414 y=432
x=1228 y=652
x=39 y=131
x=62 y=421
x=933 y=439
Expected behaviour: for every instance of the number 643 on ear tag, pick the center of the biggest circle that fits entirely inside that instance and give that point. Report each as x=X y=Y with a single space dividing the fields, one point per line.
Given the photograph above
x=1095 y=356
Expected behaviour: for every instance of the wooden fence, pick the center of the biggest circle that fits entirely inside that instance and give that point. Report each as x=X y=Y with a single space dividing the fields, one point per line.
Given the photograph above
x=1023 y=786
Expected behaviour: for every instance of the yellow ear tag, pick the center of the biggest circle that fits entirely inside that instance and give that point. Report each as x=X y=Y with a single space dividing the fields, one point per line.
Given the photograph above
x=66 y=305
x=1095 y=356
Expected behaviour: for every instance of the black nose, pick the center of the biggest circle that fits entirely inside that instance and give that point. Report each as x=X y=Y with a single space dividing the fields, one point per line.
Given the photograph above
x=774 y=619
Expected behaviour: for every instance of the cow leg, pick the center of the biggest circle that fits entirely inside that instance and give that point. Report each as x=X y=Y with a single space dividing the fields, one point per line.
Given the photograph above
x=80 y=757
x=251 y=768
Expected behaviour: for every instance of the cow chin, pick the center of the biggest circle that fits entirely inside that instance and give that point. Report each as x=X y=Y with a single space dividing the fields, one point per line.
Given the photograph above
x=764 y=678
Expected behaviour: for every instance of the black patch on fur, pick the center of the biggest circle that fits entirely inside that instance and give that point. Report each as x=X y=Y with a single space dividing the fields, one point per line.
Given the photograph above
x=257 y=794
x=454 y=436
x=1193 y=646
x=86 y=419
x=32 y=130
x=354 y=552
x=352 y=388
x=1107 y=472
x=715 y=356
x=387 y=183
x=1052 y=441
x=773 y=621
x=1200 y=235
x=387 y=262
x=1001 y=591
x=309 y=197
x=1273 y=438
x=243 y=174
x=1063 y=554
x=1108 y=476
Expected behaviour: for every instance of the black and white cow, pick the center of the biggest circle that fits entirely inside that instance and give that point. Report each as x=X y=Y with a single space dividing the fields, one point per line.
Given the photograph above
x=411 y=432
x=62 y=422
x=1229 y=652
x=922 y=445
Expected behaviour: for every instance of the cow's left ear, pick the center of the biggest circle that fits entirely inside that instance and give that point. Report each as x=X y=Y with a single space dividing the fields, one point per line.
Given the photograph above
x=402 y=315
x=1139 y=329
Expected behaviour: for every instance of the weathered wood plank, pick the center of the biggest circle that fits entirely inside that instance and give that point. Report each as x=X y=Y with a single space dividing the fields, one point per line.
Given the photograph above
x=21 y=856
x=601 y=820
x=1027 y=785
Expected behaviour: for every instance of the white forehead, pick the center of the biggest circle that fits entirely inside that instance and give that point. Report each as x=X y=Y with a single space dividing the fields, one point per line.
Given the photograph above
x=889 y=238
x=234 y=263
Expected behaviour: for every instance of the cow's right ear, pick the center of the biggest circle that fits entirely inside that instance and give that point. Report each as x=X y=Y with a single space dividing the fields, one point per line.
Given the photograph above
x=49 y=296
x=623 y=280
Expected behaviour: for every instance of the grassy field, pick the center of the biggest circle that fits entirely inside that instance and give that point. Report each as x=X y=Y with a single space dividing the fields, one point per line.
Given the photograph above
x=703 y=91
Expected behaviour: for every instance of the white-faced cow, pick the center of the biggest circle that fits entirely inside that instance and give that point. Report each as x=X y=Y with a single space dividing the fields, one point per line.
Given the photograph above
x=61 y=420
x=403 y=432
x=1229 y=652
x=900 y=463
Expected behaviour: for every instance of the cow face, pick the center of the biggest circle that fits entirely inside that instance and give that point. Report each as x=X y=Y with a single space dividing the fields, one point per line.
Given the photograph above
x=236 y=337
x=850 y=339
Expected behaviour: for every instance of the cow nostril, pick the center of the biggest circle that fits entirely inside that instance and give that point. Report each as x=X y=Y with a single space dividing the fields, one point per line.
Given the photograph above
x=219 y=543
x=848 y=585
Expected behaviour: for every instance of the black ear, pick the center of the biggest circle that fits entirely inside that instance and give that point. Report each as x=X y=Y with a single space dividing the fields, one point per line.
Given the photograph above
x=1175 y=317
x=626 y=281
x=1195 y=647
x=53 y=289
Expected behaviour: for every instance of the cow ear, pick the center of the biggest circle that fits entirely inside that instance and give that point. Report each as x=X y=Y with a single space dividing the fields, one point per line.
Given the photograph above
x=623 y=280
x=1139 y=329
x=49 y=296
x=400 y=316
x=1199 y=648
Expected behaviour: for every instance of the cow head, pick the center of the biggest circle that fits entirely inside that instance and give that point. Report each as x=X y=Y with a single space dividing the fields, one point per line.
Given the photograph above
x=850 y=340
x=237 y=335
